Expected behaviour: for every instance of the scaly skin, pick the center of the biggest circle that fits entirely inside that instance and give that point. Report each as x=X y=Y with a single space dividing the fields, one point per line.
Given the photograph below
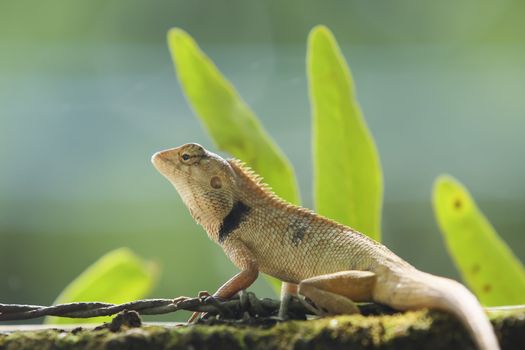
x=329 y=263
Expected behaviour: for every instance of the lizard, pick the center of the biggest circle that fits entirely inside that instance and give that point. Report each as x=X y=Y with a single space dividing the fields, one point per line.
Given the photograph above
x=331 y=264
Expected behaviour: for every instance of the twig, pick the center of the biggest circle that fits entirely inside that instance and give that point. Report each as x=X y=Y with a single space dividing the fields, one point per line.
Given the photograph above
x=236 y=308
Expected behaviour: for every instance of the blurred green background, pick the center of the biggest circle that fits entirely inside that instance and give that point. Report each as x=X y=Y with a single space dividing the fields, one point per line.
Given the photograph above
x=88 y=94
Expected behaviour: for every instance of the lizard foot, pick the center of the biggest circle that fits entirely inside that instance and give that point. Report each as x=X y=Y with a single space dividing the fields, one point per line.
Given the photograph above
x=313 y=309
x=203 y=295
x=179 y=300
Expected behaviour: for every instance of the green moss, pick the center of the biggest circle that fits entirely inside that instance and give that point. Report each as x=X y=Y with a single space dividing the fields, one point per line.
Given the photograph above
x=410 y=330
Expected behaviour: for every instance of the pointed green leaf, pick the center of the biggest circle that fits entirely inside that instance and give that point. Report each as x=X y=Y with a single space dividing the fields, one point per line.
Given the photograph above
x=231 y=123
x=117 y=277
x=485 y=262
x=233 y=126
x=347 y=171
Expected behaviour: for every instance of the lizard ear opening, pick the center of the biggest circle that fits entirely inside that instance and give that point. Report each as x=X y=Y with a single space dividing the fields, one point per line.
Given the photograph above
x=216 y=182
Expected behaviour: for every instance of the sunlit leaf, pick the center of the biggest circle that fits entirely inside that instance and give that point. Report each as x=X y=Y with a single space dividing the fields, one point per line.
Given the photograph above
x=485 y=262
x=117 y=277
x=347 y=173
x=231 y=123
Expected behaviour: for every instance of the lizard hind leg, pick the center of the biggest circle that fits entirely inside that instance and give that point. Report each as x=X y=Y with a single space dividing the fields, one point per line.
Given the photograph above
x=287 y=291
x=337 y=292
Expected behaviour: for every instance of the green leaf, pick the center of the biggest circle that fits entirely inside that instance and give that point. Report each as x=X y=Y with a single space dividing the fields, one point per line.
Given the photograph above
x=117 y=277
x=233 y=126
x=347 y=173
x=231 y=123
x=485 y=262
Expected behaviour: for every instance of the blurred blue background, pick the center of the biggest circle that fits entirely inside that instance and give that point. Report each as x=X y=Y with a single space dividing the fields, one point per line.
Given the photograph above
x=88 y=94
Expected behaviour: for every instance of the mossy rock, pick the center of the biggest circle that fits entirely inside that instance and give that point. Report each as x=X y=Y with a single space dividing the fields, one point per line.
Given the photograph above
x=410 y=330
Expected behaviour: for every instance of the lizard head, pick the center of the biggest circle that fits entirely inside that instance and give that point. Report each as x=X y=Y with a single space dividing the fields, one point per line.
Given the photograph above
x=203 y=179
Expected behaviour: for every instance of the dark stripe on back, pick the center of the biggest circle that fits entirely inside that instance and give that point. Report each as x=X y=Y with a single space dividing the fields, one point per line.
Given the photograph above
x=298 y=229
x=232 y=221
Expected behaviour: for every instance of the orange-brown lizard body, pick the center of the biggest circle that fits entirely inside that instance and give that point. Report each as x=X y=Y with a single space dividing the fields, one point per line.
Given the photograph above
x=331 y=264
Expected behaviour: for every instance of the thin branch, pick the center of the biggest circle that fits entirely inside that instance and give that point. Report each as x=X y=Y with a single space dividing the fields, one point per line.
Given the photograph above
x=238 y=307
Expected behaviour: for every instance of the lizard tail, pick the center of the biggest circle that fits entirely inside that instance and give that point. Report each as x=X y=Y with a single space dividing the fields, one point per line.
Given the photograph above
x=424 y=290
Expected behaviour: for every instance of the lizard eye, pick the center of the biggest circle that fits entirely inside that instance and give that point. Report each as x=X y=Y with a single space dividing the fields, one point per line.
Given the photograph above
x=185 y=156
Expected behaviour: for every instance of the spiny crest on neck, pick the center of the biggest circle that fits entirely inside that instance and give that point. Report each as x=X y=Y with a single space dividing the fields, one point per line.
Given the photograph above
x=255 y=183
x=249 y=176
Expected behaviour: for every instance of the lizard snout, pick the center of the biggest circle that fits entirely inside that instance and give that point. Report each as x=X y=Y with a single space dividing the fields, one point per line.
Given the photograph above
x=158 y=156
x=162 y=157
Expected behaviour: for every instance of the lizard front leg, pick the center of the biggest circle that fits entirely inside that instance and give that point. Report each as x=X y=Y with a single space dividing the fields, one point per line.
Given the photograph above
x=243 y=258
x=337 y=292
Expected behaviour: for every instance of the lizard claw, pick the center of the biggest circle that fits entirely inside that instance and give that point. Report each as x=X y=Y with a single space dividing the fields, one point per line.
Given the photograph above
x=179 y=300
x=194 y=316
x=204 y=294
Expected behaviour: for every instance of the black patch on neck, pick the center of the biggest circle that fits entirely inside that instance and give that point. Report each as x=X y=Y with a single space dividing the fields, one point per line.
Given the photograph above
x=232 y=221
